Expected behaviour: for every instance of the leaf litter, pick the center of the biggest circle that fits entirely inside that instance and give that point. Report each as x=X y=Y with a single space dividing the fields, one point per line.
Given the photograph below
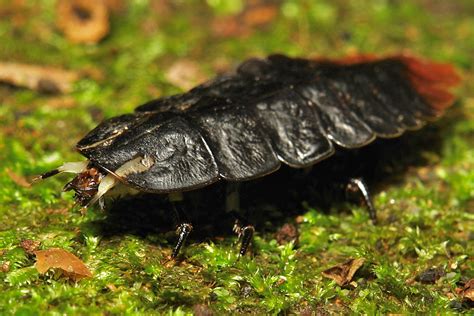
x=45 y=79
x=343 y=273
x=57 y=258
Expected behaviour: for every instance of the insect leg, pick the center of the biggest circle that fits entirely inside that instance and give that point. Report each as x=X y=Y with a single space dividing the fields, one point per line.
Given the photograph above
x=242 y=227
x=184 y=227
x=358 y=185
x=245 y=232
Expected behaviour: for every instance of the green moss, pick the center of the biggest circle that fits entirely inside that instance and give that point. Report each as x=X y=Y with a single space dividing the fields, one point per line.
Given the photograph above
x=426 y=222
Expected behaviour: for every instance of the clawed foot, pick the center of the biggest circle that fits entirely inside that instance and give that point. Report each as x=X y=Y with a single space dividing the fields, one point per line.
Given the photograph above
x=358 y=185
x=245 y=236
x=183 y=232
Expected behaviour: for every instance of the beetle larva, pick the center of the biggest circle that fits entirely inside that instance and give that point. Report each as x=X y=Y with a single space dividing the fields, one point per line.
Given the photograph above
x=244 y=125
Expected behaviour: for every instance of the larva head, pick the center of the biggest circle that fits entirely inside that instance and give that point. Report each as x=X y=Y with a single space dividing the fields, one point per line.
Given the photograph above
x=85 y=185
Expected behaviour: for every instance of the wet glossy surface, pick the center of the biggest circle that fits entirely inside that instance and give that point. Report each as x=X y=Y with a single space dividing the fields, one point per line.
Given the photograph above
x=243 y=125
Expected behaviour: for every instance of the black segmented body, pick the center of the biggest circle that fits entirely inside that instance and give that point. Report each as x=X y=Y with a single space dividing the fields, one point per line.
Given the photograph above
x=243 y=125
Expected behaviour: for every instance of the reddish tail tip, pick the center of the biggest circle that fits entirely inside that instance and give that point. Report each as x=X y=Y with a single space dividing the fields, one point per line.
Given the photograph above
x=432 y=81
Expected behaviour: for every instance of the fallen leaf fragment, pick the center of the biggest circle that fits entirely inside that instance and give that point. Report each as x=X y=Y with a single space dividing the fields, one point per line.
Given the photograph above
x=260 y=14
x=5 y=266
x=18 y=179
x=184 y=74
x=95 y=73
x=467 y=292
x=246 y=22
x=287 y=233
x=111 y=287
x=343 y=273
x=30 y=245
x=39 y=78
x=83 y=21
x=56 y=258
x=61 y=102
x=228 y=27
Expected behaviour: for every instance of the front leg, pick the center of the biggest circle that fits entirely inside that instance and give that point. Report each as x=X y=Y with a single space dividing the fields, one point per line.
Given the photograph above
x=184 y=226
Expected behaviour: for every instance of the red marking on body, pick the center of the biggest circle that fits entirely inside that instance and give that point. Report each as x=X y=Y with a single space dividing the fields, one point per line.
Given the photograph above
x=357 y=59
x=430 y=79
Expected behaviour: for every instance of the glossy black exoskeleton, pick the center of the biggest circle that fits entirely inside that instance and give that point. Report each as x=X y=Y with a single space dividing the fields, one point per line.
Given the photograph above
x=245 y=125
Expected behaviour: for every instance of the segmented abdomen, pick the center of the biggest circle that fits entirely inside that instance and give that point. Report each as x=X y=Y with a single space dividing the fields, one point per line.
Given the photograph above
x=276 y=110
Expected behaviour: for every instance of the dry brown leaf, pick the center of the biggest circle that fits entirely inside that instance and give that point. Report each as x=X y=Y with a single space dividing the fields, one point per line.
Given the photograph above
x=40 y=78
x=56 y=258
x=92 y=72
x=83 y=21
x=62 y=102
x=5 y=266
x=30 y=245
x=246 y=22
x=287 y=233
x=343 y=273
x=260 y=14
x=228 y=27
x=111 y=287
x=18 y=179
x=184 y=74
x=467 y=292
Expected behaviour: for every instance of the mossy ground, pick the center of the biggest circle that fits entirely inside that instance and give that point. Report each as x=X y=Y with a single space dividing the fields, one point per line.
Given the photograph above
x=427 y=217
